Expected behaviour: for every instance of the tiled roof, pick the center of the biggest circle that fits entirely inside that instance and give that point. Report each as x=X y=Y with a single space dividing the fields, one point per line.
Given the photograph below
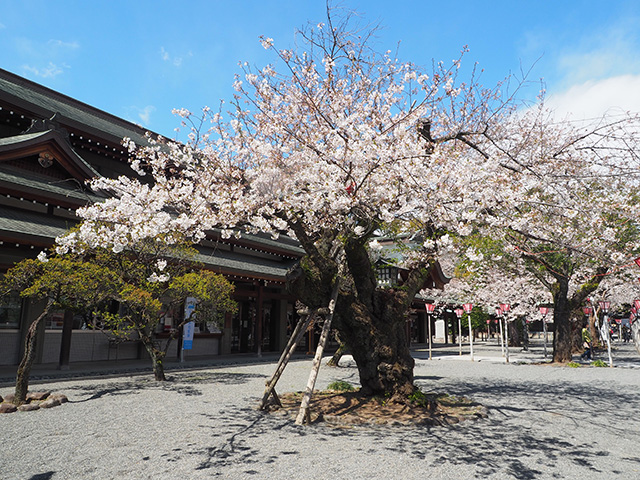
x=244 y=265
x=34 y=225
x=32 y=181
x=72 y=112
x=23 y=226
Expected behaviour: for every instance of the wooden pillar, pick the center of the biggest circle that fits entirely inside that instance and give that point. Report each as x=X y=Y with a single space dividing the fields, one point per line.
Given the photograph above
x=227 y=332
x=259 y=315
x=65 y=342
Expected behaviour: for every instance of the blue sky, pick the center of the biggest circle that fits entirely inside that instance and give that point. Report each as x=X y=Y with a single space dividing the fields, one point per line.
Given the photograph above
x=138 y=59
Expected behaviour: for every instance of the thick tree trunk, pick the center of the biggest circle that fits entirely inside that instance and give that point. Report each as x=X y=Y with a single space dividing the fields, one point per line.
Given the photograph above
x=24 y=369
x=369 y=319
x=562 y=338
x=378 y=344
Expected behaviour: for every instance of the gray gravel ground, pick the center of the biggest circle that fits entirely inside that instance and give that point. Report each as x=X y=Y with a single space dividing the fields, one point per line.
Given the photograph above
x=544 y=422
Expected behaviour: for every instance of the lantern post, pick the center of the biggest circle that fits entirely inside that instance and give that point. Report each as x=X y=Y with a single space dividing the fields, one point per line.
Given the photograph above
x=544 y=311
x=468 y=307
x=605 y=330
x=499 y=315
x=430 y=307
x=505 y=307
x=459 y=313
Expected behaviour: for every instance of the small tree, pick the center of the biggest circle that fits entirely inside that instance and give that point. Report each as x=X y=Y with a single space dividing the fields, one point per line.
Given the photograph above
x=157 y=275
x=64 y=283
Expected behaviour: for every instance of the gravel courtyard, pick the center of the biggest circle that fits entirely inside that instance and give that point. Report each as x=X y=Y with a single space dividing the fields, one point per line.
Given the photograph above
x=544 y=422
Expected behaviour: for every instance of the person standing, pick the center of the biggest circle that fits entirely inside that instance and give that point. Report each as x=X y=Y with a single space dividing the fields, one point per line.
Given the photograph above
x=586 y=343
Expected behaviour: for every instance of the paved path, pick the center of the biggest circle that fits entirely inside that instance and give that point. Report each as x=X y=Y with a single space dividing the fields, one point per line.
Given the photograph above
x=545 y=422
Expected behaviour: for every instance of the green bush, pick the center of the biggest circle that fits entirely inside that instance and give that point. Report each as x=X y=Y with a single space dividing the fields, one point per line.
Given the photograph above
x=599 y=363
x=419 y=398
x=341 y=386
x=573 y=365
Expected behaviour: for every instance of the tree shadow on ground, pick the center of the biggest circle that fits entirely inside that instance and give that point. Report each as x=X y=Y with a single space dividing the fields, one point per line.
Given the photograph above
x=43 y=476
x=527 y=434
x=180 y=383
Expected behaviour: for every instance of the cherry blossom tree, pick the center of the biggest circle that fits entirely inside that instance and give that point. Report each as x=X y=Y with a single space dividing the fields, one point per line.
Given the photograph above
x=333 y=144
x=569 y=214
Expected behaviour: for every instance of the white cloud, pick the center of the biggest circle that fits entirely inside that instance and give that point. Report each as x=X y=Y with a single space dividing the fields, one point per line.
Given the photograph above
x=597 y=72
x=164 y=54
x=61 y=44
x=176 y=61
x=145 y=114
x=50 y=71
x=594 y=98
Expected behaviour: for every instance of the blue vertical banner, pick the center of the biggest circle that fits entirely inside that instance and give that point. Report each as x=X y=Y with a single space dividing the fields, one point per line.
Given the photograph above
x=187 y=335
x=189 y=327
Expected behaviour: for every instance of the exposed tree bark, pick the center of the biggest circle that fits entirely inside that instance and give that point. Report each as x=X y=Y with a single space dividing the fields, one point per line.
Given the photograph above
x=562 y=342
x=371 y=320
x=334 y=361
x=157 y=357
x=24 y=369
x=378 y=343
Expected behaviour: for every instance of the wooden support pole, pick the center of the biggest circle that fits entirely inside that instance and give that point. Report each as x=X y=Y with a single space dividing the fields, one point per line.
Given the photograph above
x=304 y=413
x=295 y=338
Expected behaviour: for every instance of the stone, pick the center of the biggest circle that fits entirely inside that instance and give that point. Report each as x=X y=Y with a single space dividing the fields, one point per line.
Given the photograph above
x=38 y=396
x=28 y=407
x=9 y=398
x=7 y=408
x=60 y=397
x=49 y=403
x=1 y=399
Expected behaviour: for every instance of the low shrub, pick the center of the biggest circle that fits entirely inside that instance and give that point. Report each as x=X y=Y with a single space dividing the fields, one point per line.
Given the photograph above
x=340 y=386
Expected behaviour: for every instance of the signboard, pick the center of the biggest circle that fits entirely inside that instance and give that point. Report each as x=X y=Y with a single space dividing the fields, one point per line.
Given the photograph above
x=187 y=335
x=189 y=327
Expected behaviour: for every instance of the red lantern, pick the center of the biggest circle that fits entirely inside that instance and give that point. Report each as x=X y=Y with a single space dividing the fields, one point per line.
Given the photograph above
x=544 y=310
x=430 y=307
x=467 y=307
x=637 y=260
x=587 y=310
x=459 y=312
x=637 y=304
x=505 y=307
